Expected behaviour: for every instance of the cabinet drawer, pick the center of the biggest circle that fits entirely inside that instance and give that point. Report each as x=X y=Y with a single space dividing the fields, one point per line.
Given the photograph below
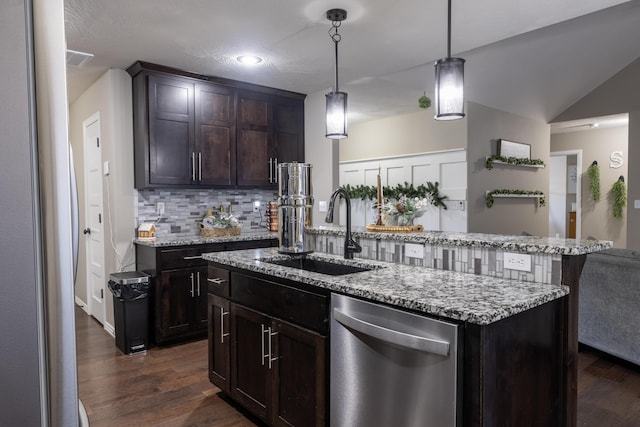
x=186 y=257
x=218 y=282
x=297 y=306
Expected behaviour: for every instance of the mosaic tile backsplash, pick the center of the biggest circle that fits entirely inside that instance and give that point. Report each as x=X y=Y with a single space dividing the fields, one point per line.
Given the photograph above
x=545 y=268
x=184 y=209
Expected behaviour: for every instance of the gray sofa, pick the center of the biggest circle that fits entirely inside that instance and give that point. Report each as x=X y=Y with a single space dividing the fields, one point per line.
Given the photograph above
x=609 y=314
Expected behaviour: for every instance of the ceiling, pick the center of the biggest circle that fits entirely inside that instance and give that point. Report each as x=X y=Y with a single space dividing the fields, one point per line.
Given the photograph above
x=530 y=57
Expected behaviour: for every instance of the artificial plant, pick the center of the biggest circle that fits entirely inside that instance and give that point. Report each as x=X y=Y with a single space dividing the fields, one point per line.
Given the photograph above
x=367 y=192
x=619 y=192
x=593 y=172
x=513 y=161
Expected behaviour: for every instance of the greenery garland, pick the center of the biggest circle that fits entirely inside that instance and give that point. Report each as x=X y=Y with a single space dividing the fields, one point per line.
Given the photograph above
x=513 y=161
x=541 y=198
x=619 y=192
x=370 y=192
x=593 y=172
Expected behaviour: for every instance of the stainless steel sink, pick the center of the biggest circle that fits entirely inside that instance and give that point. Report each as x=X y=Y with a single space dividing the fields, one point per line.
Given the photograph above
x=318 y=266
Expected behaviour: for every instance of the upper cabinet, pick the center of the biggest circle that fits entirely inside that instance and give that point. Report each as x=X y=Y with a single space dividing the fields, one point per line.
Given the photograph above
x=194 y=131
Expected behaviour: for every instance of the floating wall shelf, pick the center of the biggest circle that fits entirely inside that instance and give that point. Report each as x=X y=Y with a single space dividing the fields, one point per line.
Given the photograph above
x=490 y=195
x=500 y=162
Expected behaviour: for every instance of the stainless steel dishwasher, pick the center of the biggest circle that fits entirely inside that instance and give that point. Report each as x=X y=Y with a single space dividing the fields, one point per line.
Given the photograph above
x=392 y=368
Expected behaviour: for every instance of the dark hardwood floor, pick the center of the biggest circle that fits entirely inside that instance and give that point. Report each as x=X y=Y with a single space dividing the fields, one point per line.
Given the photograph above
x=165 y=386
x=169 y=386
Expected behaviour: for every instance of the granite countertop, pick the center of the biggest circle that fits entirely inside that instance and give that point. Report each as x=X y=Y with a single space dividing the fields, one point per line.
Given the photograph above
x=459 y=296
x=198 y=240
x=530 y=244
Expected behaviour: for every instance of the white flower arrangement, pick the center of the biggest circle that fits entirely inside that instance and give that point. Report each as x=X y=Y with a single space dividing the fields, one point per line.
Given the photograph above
x=221 y=220
x=403 y=211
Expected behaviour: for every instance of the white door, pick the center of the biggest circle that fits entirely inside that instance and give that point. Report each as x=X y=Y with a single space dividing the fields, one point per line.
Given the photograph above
x=557 y=196
x=94 y=217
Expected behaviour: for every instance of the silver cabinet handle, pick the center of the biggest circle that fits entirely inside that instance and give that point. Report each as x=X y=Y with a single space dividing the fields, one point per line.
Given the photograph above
x=270 y=170
x=275 y=170
x=394 y=337
x=192 y=285
x=222 y=334
x=271 y=359
x=263 y=356
x=193 y=166
x=198 y=281
x=199 y=166
x=192 y=257
x=215 y=280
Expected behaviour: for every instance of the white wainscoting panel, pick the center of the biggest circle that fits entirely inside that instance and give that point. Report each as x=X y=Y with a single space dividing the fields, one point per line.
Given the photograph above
x=449 y=168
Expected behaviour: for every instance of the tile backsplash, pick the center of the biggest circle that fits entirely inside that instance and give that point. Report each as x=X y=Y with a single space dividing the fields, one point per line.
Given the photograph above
x=183 y=209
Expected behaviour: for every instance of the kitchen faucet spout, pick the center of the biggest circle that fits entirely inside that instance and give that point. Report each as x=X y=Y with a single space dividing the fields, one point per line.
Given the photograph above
x=350 y=245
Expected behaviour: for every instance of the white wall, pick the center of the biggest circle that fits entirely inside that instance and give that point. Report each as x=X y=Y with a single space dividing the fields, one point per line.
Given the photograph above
x=619 y=94
x=111 y=95
x=402 y=135
x=597 y=144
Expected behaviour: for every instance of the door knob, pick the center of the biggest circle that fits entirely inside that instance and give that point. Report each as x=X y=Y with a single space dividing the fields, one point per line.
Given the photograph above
x=86 y=231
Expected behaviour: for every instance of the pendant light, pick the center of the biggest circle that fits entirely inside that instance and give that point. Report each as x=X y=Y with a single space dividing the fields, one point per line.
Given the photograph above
x=336 y=100
x=449 y=98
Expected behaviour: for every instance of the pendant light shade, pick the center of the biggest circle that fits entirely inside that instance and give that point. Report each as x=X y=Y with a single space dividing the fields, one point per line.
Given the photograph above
x=449 y=90
x=336 y=113
x=449 y=99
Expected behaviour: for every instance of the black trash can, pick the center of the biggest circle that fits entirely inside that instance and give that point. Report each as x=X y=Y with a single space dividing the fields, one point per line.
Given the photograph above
x=131 y=310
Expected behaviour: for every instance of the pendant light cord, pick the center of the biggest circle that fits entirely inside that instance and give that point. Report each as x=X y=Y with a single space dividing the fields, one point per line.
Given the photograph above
x=449 y=31
x=336 y=37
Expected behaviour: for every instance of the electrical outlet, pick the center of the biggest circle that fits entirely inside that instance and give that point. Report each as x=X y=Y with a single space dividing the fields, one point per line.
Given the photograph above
x=636 y=204
x=413 y=251
x=516 y=261
x=160 y=208
x=322 y=205
x=256 y=206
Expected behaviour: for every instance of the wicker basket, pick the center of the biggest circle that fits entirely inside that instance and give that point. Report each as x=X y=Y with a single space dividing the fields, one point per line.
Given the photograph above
x=219 y=232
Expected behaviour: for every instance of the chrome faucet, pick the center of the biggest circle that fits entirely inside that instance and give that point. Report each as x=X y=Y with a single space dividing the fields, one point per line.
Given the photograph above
x=350 y=245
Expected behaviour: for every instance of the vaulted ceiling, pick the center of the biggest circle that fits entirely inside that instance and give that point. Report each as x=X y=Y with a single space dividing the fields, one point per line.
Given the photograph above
x=530 y=57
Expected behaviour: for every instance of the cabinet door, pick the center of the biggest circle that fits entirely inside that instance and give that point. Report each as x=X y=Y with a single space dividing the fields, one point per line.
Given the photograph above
x=250 y=385
x=254 y=148
x=288 y=130
x=171 y=131
x=219 y=338
x=174 y=302
x=215 y=135
x=299 y=376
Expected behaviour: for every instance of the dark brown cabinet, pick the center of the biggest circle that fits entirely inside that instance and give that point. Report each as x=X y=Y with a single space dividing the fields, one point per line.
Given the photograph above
x=179 y=303
x=171 y=131
x=274 y=367
x=183 y=297
x=200 y=131
x=215 y=135
x=256 y=156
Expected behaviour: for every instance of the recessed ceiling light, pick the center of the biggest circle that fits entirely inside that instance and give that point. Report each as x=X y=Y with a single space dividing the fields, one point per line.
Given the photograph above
x=249 y=59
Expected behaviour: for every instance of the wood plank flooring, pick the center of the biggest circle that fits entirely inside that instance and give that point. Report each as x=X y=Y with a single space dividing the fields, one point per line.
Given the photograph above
x=165 y=386
x=170 y=387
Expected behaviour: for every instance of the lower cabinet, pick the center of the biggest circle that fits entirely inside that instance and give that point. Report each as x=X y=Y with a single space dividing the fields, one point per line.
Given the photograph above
x=272 y=367
x=182 y=295
x=178 y=304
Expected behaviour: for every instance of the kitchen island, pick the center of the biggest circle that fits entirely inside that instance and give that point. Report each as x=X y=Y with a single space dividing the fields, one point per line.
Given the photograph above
x=518 y=362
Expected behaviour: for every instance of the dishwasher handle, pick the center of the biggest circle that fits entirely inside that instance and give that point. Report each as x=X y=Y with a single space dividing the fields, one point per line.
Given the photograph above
x=402 y=339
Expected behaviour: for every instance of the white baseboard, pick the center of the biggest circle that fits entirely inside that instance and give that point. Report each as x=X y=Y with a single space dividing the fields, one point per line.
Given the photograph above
x=111 y=330
x=83 y=305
